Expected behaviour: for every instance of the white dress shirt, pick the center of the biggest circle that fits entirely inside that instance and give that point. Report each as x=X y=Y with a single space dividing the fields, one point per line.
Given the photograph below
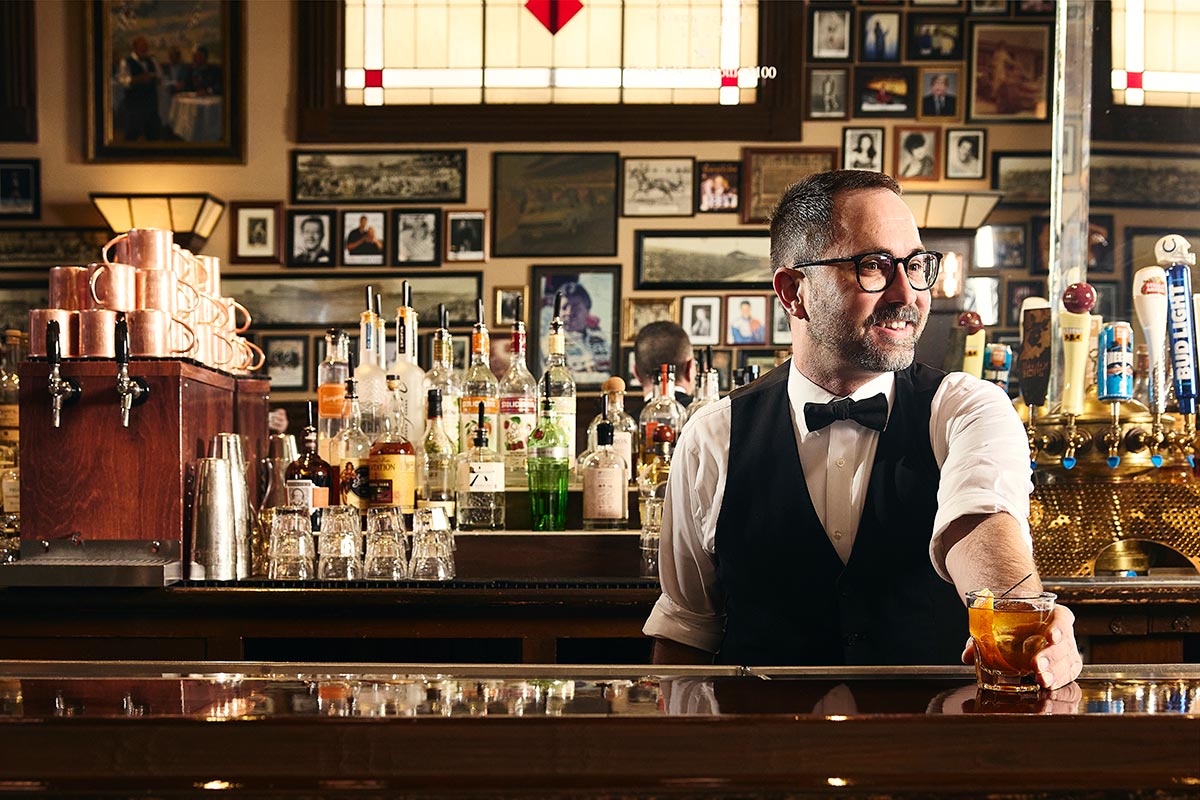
x=978 y=443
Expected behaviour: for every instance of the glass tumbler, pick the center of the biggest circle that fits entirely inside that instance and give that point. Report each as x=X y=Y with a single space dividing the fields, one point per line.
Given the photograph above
x=340 y=544
x=433 y=546
x=291 y=554
x=385 y=546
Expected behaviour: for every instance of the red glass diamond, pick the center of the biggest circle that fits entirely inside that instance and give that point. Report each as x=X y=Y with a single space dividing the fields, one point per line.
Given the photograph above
x=1133 y=80
x=374 y=78
x=554 y=14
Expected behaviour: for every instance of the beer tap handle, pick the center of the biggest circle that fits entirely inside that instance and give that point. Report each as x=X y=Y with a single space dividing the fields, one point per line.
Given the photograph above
x=1074 y=322
x=62 y=390
x=1174 y=254
x=131 y=390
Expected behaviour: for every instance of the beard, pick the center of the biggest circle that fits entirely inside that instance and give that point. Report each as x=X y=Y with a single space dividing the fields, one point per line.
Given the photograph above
x=830 y=328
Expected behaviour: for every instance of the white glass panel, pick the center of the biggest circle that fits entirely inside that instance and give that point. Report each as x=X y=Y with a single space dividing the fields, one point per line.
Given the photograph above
x=433 y=22
x=399 y=35
x=354 y=34
x=465 y=35
x=587 y=95
x=503 y=23
x=457 y=96
x=521 y=77
x=373 y=35
x=526 y=96
x=356 y=78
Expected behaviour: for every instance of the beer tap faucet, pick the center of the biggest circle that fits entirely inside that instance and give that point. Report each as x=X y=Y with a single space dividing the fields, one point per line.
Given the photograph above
x=1150 y=303
x=131 y=390
x=62 y=390
x=1074 y=323
x=1174 y=254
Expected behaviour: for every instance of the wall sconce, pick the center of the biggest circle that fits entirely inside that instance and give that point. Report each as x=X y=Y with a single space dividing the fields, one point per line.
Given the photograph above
x=956 y=210
x=191 y=216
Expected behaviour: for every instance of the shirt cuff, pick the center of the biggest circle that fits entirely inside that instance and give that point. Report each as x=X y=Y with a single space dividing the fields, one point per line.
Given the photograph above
x=964 y=504
x=670 y=621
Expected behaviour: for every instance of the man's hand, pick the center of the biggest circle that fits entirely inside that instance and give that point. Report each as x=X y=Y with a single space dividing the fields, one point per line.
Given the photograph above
x=1058 y=663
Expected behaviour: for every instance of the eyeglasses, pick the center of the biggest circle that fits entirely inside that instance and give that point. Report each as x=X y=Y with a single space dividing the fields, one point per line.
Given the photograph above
x=875 y=271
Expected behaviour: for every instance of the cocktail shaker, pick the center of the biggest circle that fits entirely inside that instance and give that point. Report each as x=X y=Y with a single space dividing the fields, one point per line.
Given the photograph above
x=214 y=532
x=229 y=447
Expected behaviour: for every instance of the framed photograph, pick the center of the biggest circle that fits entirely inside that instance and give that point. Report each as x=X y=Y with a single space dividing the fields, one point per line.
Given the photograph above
x=699 y=259
x=885 y=91
x=746 y=319
x=379 y=176
x=781 y=324
x=20 y=188
x=1135 y=180
x=934 y=37
x=1010 y=72
x=989 y=6
x=511 y=304
x=629 y=359
x=166 y=81
x=287 y=362
x=16 y=298
x=311 y=234
x=1139 y=242
x=658 y=187
x=1000 y=247
x=364 y=238
x=1015 y=292
x=956 y=247
x=879 y=35
x=1034 y=8
x=1024 y=177
x=862 y=148
x=641 y=311
x=939 y=94
x=554 y=204
x=717 y=186
x=702 y=319
x=590 y=318
x=831 y=33
x=286 y=300
x=466 y=236
x=981 y=294
x=764 y=359
x=722 y=362
x=827 y=87
x=256 y=235
x=418 y=236
x=964 y=153
x=35 y=248
x=770 y=171
x=918 y=153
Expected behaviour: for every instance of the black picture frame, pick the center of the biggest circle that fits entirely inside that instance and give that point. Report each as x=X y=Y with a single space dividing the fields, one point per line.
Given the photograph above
x=593 y=353
x=828 y=88
x=298 y=252
x=1023 y=176
x=702 y=259
x=35 y=248
x=1101 y=244
x=885 y=92
x=370 y=243
x=20 y=188
x=1124 y=179
x=718 y=187
x=831 y=36
x=1137 y=245
x=934 y=37
x=256 y=233
x=1015 y=292
x=1010 y=69
x=957 y=168
x=702 y=329
x=659 y=186
x=466 y=236
x=18 y=94
x=554 y=203
x=287 y=362
x=378 y=176
x=200 y=115
x=879 y=35
x=854 y=156
x=417 y=237
x=1008 y=248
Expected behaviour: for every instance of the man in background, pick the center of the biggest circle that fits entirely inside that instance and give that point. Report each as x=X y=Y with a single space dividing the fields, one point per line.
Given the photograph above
x=665 y=343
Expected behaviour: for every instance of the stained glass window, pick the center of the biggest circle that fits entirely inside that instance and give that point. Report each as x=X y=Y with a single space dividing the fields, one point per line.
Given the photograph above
x=1154 y=54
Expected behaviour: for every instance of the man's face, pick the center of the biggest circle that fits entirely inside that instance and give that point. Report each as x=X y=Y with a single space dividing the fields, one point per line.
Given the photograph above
x=964 y=150
x=362 y=223
x=745 y=309
x=310 y=235
x=574 y=314
x=938 y=88
x=141 y=47
x=851 y=332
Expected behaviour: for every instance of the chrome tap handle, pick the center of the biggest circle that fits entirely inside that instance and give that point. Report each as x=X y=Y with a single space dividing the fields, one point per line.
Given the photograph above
x=62 y=390
x=131 y=391
x=1113 y=437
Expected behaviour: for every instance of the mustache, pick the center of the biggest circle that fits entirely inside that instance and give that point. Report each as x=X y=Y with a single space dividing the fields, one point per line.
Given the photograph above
x=902 y=313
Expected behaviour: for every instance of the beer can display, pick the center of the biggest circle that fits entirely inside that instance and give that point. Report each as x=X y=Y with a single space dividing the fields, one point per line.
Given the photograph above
x=997 y=361
x=1115 y=381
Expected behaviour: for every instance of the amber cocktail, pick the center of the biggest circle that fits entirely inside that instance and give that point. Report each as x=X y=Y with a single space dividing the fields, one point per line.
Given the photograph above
x=1008 y=633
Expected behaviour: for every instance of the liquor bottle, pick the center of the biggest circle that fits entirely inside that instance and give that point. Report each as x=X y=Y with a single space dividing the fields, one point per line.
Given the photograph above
x=652 y=488
x=331 y=389
x=411 y=377
x=518 y=405
x=479 y=386
x=605 y=482
x=662 y=410
x=556 y=382
x=309 y=480
x=443 y=377
x=370 y=379
x=380 y=334
x=352 y=456
x=708 y=386
x=549 y=467
x=625 y=430
x=480 y=496
x=393 y=461
x=435 y=487
x=10 y=390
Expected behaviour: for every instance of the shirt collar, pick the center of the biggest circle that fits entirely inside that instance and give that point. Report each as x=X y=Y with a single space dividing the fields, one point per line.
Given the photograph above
x=801 y=390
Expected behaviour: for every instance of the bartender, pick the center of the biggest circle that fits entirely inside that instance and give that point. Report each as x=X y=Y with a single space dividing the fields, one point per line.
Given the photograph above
x=838 y=510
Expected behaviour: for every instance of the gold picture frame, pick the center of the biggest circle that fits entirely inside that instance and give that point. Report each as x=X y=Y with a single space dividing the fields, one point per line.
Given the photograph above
x=504 y=311
x=641 y=311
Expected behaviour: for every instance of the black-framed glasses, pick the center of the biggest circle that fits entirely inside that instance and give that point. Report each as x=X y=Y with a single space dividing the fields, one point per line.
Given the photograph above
x=875 y=271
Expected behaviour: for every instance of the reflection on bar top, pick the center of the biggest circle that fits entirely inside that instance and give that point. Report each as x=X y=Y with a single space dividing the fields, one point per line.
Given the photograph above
x=230 y=691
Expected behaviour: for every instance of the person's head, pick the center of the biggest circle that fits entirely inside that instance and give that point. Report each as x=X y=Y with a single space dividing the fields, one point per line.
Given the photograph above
x=865 y=142
x=914 y=143
x=312 y=233
x=200 y=56
x=140 y=46
x=939 y=85
x=362 y=222
x=661 y=343
x=842 y=335
x=744 y=309
x=577 y=306
x=968 y=149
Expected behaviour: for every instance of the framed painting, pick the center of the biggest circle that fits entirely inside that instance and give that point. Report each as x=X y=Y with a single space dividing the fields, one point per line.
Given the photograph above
x=379 y=176
x=746 y=318
x=722 y=362
x=1000 y=246
x=20 y=188
x=1135 y=180
x=166 y=81
x=364 y=238
x=554 y=204
x=964 y=153
x=701 y=318
x=940 y=90
x=256 y=235
x=311 y=235
x=831 y=34
x=466 y=236
x=511 y=302
x=1015 y=292
x=418 y=236
x=717 y=187
x=590 y=315
x=1010 y=72
x=918 y=153
x=641 y=311
x=769 y=171
x=885 y=91
x=287 y=362
x=1024 y=177
x=934 y=37
x=657 y=187
x=862 y=148
x=628 y=362
x=1100 y=245
x=878 y=35
x=1138 y=246
x=827 y=91
x=35 y=248
x=698 y=259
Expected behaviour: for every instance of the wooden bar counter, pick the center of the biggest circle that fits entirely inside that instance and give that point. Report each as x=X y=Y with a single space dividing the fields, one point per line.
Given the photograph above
x=322 y=730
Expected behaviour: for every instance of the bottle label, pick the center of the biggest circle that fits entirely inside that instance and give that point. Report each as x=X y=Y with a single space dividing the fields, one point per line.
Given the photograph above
x=516 y=423
x=481 y=476
x=481 y=343
x=306 y=493
x=563 y=411
x=468 y=420
x=623 y=445
x=551 y=453
x=556 y=344
x=331 y=400
x=354 y=482
x=605 y=493
x=394 y=480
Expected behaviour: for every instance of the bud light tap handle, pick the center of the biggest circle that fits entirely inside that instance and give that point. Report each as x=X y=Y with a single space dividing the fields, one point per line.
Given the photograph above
x=1181 y=331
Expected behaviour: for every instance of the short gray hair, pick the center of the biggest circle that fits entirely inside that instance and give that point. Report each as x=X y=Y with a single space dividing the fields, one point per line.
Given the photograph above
x=802 y=225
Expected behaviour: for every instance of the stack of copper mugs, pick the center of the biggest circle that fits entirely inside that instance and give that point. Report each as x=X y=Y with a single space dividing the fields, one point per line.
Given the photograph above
x=171 y=299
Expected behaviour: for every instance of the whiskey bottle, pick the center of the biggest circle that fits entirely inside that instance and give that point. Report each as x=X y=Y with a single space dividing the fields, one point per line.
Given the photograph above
x=309 y=480
x=480 y=495
x=480 y=387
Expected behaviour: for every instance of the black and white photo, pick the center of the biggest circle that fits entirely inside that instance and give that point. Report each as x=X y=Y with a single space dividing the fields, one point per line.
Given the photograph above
x=256 y=233
x=862 y=148
x=379 y=176
x=827 y=93
x=466 y=233
x=20 y=188
x=658 y=187
x=418 y=233
x=511 y=304
x=286 y=362
x=702 y=319
x=49 y=247
x=830 y=34
x=965 y=153
x=917 y=149
x=311 y=235
x=364 y=238
x=699 y=259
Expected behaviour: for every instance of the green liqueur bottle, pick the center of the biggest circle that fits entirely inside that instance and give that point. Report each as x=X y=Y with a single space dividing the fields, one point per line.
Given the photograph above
x=549 y=465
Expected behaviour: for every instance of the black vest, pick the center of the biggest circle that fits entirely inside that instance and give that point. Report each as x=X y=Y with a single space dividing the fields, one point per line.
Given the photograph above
x=789 y=600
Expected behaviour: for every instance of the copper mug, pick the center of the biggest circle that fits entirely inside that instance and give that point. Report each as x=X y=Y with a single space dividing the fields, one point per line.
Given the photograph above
x=97 y=333
x=68 y=331
x=231 y=308
x=148 y=248
x=162 y=289
x=210 y=274
x=69 y=288
x=113 y=286
x=150 y=333
x=248 y=357
x=212 y=347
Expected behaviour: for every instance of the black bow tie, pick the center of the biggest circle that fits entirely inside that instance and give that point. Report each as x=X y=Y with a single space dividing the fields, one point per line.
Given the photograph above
x=870 y=413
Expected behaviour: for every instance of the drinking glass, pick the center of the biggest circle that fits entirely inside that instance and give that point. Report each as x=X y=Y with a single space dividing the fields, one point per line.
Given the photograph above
x=385 y=545
x=433 y=546
x=1008 y=632
x=340 y=544
x=291 y=551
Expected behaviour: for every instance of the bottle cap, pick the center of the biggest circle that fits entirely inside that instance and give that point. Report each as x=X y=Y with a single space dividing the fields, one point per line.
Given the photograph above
x=604 y=433
x=435 y=402
x=481 y=438
x=615 y=384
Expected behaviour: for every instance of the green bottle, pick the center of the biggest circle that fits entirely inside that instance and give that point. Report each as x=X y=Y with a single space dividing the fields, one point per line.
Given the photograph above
x=549 y=466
